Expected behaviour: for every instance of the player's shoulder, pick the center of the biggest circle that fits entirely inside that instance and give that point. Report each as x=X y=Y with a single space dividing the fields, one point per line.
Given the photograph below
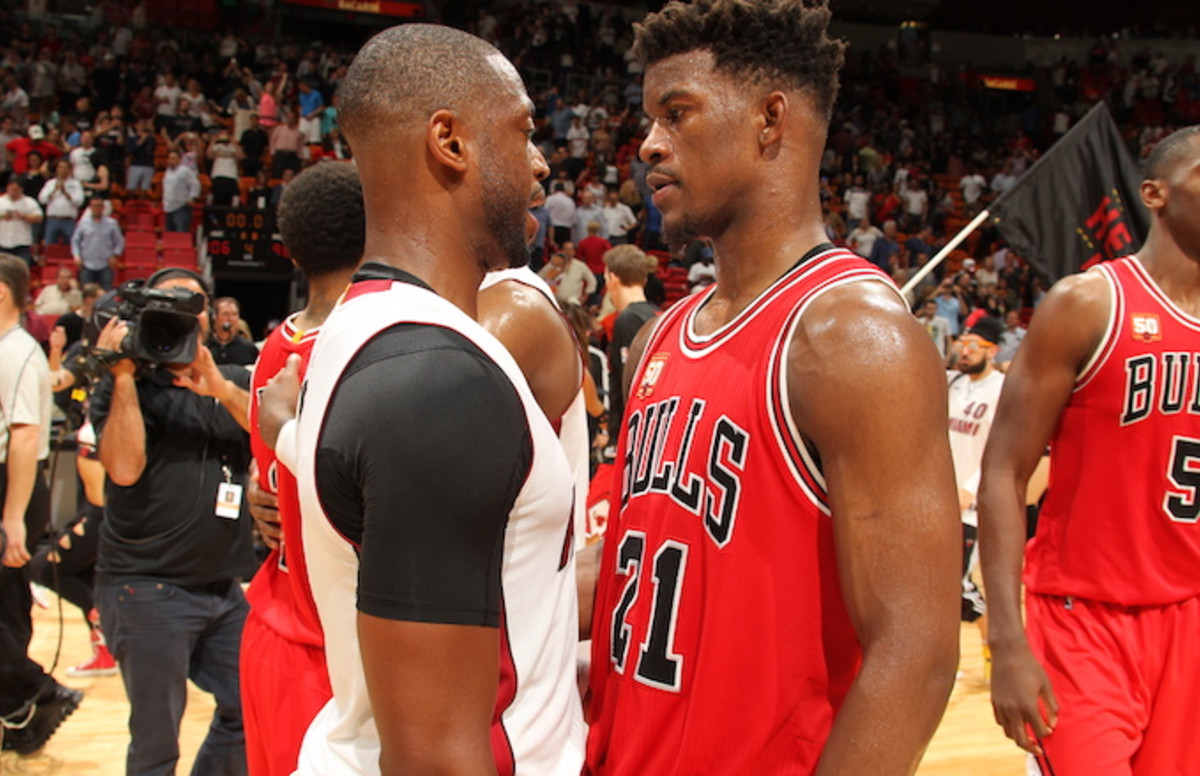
x=1080 y=302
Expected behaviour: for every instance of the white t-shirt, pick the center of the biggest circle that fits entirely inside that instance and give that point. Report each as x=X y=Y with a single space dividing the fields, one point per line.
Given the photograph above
x=863 y=238
x=972 y=187
x=972 y=409
x=856 y=203
x=25 y=396
x=15 y=230
x=171 y=94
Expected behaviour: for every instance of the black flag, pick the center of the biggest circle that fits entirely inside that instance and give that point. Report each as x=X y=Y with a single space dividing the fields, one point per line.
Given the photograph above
x=1079 y=204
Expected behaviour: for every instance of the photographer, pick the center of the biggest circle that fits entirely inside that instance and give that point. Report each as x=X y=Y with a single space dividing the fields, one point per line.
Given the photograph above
x=176 y=537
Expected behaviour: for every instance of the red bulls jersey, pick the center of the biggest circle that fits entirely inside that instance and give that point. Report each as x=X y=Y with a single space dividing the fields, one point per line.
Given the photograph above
x=279 y=591
x=1119 y=523
x=721 y=642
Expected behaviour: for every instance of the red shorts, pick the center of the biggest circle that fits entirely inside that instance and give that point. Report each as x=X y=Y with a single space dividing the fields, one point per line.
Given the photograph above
x=284 y=685
x=1126 y=680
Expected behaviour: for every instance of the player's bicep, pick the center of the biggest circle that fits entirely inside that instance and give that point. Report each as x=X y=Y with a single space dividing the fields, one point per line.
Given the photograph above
x=1063 y=337
x=867 y=388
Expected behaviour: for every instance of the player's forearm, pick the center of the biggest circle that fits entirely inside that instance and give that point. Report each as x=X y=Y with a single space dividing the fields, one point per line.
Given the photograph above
x=1001 y=554
x=123 y=443
x=893 y=707
x=21 y=470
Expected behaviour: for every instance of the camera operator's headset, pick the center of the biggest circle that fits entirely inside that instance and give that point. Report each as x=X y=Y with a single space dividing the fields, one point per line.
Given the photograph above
x=167 y=273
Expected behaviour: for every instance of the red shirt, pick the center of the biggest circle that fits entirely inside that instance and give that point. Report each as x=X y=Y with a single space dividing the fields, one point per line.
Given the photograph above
x=591 y=250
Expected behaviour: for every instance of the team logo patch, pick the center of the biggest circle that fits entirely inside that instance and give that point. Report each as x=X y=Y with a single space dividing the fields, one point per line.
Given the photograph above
x=649 y=377
x=1145 y=327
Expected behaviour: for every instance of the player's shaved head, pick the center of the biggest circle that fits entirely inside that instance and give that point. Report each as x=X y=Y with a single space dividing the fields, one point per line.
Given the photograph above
x=1171 y=151
x=406 y=73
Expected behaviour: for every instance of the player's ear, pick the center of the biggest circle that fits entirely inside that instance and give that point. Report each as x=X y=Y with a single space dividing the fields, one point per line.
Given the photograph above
x=1154 y=193
x=773 y=112
x=445 y=141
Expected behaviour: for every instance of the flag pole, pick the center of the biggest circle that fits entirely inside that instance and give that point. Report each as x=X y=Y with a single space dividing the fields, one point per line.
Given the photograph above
x=941 y=255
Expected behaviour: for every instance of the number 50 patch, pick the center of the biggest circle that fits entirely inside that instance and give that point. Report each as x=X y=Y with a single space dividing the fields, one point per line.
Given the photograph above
x=1146 y=327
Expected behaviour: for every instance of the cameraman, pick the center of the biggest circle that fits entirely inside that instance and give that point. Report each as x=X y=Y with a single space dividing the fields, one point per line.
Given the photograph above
x=175 y=541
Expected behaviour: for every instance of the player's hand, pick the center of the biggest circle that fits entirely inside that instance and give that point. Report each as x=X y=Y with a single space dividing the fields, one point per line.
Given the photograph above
x=15 y=554
x=264 y=508
x=111 y=338
x=278 y=403
x=1022 y=698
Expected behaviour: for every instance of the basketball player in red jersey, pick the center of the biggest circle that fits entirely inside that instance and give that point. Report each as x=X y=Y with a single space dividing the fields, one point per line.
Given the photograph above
x=779 y=588
x=1104 y=679
x=283 y=676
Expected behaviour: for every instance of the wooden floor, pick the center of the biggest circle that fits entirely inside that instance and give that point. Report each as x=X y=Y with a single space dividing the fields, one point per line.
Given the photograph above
x=92 y=742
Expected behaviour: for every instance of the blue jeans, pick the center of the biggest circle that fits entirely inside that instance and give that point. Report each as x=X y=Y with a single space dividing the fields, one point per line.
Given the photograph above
x=59 y=230
x=163 y=635
x=102 y=276
x=180 y=220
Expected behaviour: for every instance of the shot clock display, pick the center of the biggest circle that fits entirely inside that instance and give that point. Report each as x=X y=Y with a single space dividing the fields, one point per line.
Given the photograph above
x=244 y=242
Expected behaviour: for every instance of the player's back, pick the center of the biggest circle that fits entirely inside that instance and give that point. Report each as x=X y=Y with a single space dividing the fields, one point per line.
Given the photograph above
x=721 y=642
x=1119 y=523
x=279 y=592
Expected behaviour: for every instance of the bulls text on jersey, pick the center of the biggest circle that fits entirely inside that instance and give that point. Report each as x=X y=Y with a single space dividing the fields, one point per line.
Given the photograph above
x=1168 y=381
x=709 y=487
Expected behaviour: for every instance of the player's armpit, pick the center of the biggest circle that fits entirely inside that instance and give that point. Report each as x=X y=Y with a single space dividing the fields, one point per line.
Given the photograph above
x=1062 y=337
x=433 y=691
x=867 y=389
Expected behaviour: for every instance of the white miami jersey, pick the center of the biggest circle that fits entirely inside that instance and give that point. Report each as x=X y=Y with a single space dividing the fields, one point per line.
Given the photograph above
x=538 y=711
x=972 y=409
x=573 y=426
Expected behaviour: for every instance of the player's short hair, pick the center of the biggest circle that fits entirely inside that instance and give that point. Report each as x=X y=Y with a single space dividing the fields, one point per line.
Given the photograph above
x=781 y=43
x=1169 y=152
x=14 y=273
x=322 y=219
x=629 y=264
x=407 y=72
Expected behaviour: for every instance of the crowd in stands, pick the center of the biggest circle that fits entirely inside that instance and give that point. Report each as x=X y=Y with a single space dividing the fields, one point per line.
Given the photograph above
x=172 y=120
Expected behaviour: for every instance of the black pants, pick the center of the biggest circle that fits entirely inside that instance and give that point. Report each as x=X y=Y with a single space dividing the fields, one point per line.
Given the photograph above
x=21 y=679
x=284 y=160
x=68 y=567
x=223 y=191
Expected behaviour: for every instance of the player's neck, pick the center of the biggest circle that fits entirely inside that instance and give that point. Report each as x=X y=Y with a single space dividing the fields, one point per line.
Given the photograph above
x=323 y=294
x=449 y=267
x=748 y=260
x=1173 y=268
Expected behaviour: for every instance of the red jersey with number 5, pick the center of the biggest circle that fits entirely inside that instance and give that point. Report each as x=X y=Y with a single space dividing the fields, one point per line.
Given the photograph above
x=1119 y=523
x=721 y=641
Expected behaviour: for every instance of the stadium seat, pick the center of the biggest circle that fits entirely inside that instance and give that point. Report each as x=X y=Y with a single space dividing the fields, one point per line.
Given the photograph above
x=58 y=253
x=178 y=241
x=140 y=256
x=141 y=239
x=180 y=258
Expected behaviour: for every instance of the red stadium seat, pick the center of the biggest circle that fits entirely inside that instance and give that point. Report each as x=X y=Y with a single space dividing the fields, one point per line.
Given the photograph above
x=140 y=257
x=173 y=241
x=180 y=258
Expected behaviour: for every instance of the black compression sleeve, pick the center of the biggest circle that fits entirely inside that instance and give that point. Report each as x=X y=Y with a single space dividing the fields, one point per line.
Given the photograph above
x=423 y=451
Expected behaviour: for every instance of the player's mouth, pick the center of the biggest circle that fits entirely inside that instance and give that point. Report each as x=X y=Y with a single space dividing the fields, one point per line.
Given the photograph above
x=661 y=185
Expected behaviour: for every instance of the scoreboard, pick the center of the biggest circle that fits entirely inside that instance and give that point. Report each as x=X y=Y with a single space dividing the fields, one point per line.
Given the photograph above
x=245 y=242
